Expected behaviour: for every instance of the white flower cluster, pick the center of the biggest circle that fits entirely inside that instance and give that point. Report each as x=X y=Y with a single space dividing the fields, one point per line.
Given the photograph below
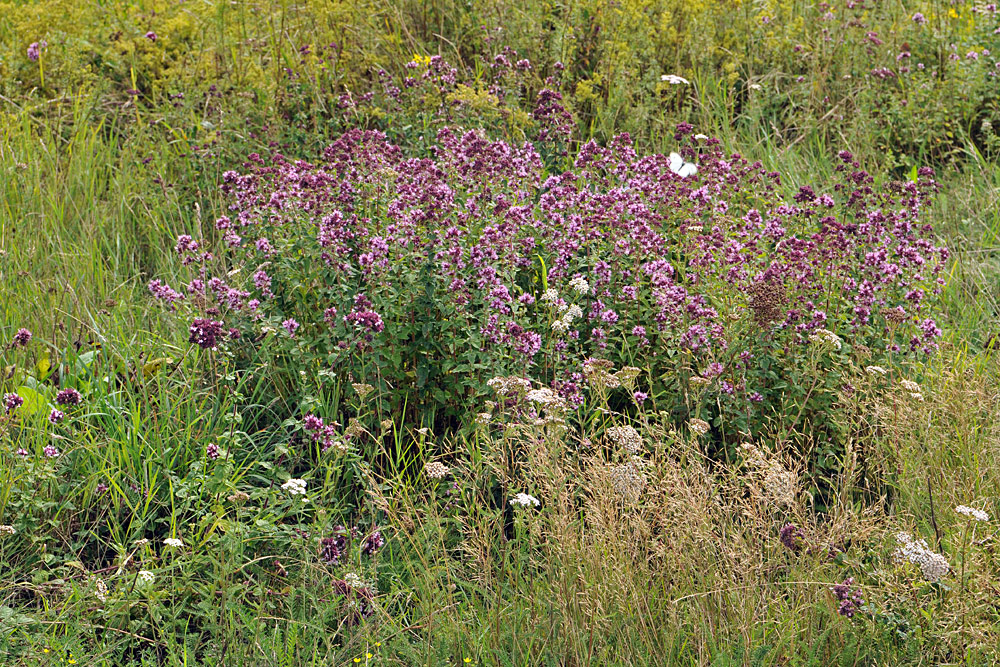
x=525 y=500
x=7 y=530
x=825 y=337
x=912 y=388
x=173 y=542
x=436 y=470
x=295 y=487
x=505 y=386
x=484 y=418
x=978 y=515
x=546 y=397
x=625 y=437
x=933 y=566
x=144 y=578
x=580 y=284
x=875 y=370
x=674 y=80
x=550 y=296
x=699 y=426
x=570 y=313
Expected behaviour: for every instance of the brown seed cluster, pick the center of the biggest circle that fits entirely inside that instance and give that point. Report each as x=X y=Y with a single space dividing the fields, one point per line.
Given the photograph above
x=766 y=300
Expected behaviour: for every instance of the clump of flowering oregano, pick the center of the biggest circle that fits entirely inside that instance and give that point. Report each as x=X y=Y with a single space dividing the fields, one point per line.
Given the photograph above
x=443 y=272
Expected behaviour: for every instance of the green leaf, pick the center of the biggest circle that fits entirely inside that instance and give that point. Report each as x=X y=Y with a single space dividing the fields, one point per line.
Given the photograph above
x=33 y=401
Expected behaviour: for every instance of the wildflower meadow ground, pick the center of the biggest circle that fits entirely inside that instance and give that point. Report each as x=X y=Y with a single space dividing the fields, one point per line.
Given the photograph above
x=434 y=333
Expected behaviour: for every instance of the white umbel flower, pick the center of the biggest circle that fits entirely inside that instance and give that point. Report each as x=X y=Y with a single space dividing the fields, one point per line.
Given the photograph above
x=525 y=500
x=825 y=337
x=978 y=515
x=580 y=284
x=436 y=470
x=295 y=487
x=173 y=542
x=674 y=80
x=933 y=566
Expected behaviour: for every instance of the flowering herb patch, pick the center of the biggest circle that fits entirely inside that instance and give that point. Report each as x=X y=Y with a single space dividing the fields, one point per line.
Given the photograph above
x=426 y=277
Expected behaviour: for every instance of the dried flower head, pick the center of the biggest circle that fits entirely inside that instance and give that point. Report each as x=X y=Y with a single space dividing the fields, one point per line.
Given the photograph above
x=766 y=298
x=363 y=389
x=628 y=479
x=625 y=437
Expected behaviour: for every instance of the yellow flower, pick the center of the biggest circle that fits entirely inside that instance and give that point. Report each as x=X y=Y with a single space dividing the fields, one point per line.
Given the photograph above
x=467 y=660
x=952 y=13
x=368 y=655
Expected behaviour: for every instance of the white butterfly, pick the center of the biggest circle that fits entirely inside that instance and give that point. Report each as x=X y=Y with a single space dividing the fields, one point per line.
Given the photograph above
x=682 y=168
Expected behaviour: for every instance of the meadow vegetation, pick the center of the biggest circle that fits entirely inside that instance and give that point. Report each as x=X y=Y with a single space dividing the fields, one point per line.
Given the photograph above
x=393 y=333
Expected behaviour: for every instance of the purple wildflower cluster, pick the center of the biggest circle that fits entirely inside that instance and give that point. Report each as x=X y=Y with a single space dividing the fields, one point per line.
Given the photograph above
x=332 y=549
x=849 y=597
x=792 y=537
x=636 y=259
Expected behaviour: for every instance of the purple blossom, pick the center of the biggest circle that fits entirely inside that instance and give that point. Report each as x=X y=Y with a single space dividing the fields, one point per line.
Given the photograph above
x=151 y=36
x=205 y=333
x=12 y=402
x=51 y=452
x=56 y=416
x=212 y=451
x=21 y=338
x=372 y=543
x=792 y=537
x=35 y=50
x=291 y=326
x=849 y=597
x=69 y=396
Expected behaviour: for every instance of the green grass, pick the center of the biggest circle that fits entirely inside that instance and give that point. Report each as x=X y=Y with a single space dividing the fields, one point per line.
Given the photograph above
x=93 y=190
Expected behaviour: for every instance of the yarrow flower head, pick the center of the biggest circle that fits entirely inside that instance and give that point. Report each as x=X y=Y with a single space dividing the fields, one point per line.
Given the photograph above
x=580 y=284
x=145 y=578
x=525 y=500
x=674 y=80
x=173 y=542
x=825 y=337
x=699 y=426
x=295 y=487
x=933 y=566
x=875 y=370
x=436 y=470
x=973 y=513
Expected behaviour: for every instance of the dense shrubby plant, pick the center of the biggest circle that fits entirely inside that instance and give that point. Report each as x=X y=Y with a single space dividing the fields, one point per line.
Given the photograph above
x=427 y=277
